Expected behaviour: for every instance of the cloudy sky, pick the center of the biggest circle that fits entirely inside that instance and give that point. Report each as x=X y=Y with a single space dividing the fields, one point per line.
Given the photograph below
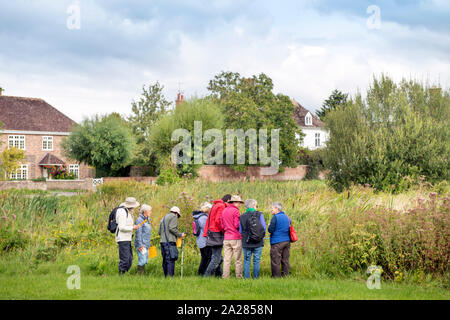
x=307 y=47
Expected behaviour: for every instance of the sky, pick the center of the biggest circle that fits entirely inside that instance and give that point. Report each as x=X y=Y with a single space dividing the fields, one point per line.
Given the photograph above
x=91 y=57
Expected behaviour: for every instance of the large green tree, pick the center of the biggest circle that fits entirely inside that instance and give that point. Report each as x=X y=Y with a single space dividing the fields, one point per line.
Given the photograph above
x=151 y=106
x=104 y=142
x=392 y=137
x=249 y=103
x=336 y=99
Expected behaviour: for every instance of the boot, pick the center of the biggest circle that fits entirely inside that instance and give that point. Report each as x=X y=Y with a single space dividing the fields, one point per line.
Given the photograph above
x=141 y=270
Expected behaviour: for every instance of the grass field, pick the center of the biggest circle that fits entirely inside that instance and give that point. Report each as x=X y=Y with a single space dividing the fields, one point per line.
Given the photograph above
x=195 y=288
x=340 y=235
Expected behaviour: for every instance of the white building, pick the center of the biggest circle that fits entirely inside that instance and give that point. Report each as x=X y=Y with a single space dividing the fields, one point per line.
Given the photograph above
x=316 y=135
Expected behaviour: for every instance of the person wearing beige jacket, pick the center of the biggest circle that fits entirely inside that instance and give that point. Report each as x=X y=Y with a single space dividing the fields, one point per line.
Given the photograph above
x=124 y=233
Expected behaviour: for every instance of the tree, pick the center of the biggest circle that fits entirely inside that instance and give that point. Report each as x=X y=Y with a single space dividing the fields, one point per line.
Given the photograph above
x=336 y=99
x=249 y=103
x=10 y=161
x=151 y=106
x=205 y=110
x=396 y=135
x=104 y=142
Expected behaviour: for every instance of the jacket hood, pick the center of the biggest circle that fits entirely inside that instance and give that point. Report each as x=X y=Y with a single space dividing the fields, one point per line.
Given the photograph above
x=197 y=213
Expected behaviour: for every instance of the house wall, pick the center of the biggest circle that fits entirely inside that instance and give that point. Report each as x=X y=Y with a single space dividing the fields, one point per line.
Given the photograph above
x=309 y=138
x=34 y=153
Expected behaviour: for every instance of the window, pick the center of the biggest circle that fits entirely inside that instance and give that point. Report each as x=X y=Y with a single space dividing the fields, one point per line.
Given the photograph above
x=308 y=119
x=317 y=139
x=47 y=143
x=16 y=141
x=75 y=169
x=20 y=174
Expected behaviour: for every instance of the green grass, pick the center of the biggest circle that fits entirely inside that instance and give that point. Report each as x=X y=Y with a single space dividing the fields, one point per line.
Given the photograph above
x=196 y=288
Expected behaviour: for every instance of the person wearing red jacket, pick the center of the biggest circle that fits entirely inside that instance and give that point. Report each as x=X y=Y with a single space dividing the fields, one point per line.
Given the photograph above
x=215 y=245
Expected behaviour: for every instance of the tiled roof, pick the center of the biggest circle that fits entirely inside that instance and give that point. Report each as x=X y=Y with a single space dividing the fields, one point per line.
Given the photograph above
x=49 y=159
x=300 y=113
x=30 y=114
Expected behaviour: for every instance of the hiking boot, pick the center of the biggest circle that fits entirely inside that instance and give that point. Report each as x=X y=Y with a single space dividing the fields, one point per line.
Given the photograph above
x=141 y=269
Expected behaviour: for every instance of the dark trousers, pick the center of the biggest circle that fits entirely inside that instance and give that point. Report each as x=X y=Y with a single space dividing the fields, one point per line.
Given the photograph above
x=125 y=256
x=168 y=263
x=279 y=253
x=215 y=263
x=205 y=253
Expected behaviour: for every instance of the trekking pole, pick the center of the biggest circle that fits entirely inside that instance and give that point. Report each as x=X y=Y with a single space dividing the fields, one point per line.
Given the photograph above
x=182 y=245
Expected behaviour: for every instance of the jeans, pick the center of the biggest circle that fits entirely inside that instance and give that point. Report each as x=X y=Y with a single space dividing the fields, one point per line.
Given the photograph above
x=248 y=252
x=142 y=258
x=214 y=266
x=168 y=263
x=125 y=256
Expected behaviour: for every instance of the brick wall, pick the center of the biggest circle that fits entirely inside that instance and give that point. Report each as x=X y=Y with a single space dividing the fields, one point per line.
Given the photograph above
x=48 y=185
x=34 y=153
x=225 y=173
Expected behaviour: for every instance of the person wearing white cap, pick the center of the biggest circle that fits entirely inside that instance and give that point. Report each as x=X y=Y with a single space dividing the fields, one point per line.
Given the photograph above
x=124 y=233
x=168 y=231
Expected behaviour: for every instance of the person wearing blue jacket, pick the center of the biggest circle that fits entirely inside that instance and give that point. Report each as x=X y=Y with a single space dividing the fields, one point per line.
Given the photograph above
x=143 y=237
x=200 y=216
x=280 y=241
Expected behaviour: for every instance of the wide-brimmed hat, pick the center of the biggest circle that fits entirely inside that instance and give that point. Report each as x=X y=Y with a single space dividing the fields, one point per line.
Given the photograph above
x=130 y=202
x=236 y=199
x=175 y=210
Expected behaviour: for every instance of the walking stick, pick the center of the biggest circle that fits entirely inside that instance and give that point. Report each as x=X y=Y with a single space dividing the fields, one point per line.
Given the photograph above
x=182 y=245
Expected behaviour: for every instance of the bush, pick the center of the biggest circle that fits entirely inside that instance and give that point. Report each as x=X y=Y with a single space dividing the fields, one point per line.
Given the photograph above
x=168 y=174
x=314 y=160
x=397 y=134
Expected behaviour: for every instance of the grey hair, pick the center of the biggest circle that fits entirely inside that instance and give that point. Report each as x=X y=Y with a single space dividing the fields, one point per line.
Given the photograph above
x=278 y=205
x=145 y=207
x=205 y=205
x=250 y=203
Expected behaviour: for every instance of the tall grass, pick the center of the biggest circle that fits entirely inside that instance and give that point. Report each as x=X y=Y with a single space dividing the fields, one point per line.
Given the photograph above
x=340 y=234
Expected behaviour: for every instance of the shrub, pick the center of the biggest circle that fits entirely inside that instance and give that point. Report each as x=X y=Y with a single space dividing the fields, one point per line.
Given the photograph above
x=314 y=160
x=168 y=174
x=397 y=131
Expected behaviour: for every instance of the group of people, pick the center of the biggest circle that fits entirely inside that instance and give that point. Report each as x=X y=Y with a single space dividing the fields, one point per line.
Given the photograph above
x=217 y=227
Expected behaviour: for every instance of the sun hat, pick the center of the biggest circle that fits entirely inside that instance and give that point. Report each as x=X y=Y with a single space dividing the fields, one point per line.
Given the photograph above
x=131 y=202
x=236 y=199
x=175 y=210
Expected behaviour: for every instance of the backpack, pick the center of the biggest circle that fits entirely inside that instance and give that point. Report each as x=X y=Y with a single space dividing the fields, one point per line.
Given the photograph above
x=256 y=231
x=196 y=226
x=112 y=224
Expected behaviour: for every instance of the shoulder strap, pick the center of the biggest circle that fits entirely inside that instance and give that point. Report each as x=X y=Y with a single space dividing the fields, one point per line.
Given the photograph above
x=164 y=224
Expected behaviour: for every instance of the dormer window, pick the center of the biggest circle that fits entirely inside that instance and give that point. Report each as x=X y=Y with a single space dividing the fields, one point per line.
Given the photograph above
x=308 y=119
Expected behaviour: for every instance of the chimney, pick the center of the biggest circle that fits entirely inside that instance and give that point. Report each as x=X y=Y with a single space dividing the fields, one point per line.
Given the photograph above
x=179 y=100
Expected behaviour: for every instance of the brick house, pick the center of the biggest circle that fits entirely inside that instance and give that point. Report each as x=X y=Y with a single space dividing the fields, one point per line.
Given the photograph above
x=316 y=135
x=37 y=128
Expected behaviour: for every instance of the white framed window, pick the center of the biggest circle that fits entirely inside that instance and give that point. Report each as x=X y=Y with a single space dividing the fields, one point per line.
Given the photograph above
x=47 y=143
x=17 y=142
x=75 y=169
x=317 y=139
x=308 y=119
x=20 y=174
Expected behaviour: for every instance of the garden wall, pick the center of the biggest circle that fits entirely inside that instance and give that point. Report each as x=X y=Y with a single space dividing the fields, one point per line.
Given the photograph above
x=48 y=185
x=226 y=173
x=149 y=180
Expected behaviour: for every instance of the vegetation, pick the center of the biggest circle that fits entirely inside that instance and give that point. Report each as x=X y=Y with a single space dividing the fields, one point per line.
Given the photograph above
x=395 y=137
x=249 y=103
x=335 y=100
x=406 y=234
x=151 y=106
x=106 y=143
x=10 y=160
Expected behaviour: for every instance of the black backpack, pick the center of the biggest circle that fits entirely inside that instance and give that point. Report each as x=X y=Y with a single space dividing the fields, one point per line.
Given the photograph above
x=112 y=224
x=256 y=231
